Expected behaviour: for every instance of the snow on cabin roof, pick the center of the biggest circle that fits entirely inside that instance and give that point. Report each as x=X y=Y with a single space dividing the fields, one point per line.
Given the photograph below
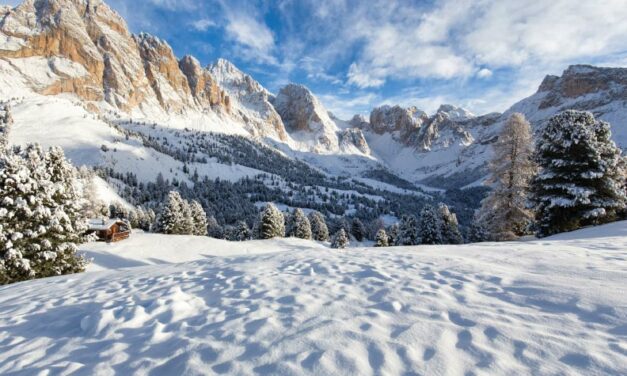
x=103 y=224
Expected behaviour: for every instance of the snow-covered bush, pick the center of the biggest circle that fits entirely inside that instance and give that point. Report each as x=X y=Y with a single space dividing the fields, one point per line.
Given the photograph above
x=271 y=223
x=381 y=239
x=340 y=240
x=199 y=218
x=581 y=182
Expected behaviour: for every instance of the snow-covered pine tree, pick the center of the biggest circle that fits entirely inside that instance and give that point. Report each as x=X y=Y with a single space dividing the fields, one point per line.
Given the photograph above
x=40 y=217
x=393 y=235
x=505 y=211
x=6 y=120
x=271 y=223
x=381 y=239
x=319 y=229
x=408 y=231
x=580 y=182
x=430 y=228
x=358 y=230
x=187 y=225
x=199 y=218
x=450 y=226
x=477 y=232
x=171 y=214
x=340 y=240
x=242 y=232
x=118 y=210
x=300 y=227
x=214 y=229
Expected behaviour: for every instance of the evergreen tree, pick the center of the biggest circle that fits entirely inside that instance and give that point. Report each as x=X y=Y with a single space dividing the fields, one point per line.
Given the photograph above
x=171 y=214
x=186 y=226
x=214 y=229
x=381 y=239
x=408 y=231
x=271 y=223
x=41 y=221
x=450 y=226
x=300 y=227
x=505 y=211
x=319 y=229
x=477 y=232
x=243 y=232
x=430 y=226
x=394 y=235
x=340 y=240
x=358 y=230
x=199 y=219
x=580 y=182
x=6 y=120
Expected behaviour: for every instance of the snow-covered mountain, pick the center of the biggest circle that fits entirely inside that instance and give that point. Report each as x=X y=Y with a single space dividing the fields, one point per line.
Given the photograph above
x=76 y=62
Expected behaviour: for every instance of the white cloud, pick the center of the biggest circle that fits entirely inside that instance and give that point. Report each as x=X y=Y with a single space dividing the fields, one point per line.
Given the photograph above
x=484 y=73
x=203 y=24
x=255 y=38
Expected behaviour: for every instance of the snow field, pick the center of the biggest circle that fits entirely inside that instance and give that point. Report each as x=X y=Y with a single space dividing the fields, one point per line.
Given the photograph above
x=552 y=306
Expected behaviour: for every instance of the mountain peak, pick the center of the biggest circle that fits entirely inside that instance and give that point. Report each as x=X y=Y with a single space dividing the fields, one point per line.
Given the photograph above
x=455 y=112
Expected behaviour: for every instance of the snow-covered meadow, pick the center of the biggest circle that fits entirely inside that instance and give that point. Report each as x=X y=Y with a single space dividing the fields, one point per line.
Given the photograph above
x=174 y=305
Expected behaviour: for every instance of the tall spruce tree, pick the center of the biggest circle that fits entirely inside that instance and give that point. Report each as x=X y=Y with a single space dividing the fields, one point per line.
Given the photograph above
x=40 y=215
x=580 y=182
x=199 y=218
x=505 y=212
x=300 y=227
x=408 y=231
x=358 y=230
x=271 y=223
x=171 y=214
x=430 y=228
x=319 y=229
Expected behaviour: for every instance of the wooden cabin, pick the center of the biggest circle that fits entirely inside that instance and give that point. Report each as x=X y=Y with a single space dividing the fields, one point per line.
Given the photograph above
x=110 y=230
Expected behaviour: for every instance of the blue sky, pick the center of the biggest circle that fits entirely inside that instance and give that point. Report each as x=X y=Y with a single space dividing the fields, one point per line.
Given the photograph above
x=483 y=54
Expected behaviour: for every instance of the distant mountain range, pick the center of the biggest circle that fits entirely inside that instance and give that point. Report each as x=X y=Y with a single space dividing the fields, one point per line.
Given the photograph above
x=74 y=74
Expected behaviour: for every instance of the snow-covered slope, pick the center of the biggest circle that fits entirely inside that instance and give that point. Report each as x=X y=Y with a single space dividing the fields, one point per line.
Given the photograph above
x=553 y=306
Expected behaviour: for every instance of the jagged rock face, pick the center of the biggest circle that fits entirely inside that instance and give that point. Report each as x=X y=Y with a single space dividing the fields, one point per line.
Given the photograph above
x=201 y=84
x=249 y=100
x=359 y=121
x=405 y=121
x=443 y=130
x=353 y=137
x=581 y=80
x=302 y=113
x=127 y=72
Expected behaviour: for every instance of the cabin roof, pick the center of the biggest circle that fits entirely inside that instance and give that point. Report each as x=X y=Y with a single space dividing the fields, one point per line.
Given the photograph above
x=103 y=224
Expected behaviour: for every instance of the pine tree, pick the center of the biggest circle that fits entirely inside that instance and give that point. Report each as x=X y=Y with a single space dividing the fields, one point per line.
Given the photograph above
x=199 y=219
x=6 y=120
x=214 y=229
x=430 y=229
x=580 y=181
x=393 y=235
x=271 y=223
x=171 y=214
x=381 y=239
x=319 y=229
x=340 y=240
x=505 y=211
x=242 y=232
x=358 y=230
x=477 y=232
x=450 y=226
x=300 y=227
x=41 y=220
x=186 y=226
x=408 y=231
